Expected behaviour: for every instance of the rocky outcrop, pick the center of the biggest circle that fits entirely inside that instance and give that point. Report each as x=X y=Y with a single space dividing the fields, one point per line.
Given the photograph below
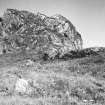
x=87 y=52
x=23 y=30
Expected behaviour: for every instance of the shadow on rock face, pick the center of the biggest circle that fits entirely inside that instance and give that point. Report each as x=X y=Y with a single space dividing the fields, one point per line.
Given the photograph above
x=1 y=19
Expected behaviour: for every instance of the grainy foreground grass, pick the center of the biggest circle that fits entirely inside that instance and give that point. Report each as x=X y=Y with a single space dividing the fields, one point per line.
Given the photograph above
x=59 y=82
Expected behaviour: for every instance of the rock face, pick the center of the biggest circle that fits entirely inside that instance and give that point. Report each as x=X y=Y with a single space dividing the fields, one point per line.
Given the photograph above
x=23 y=30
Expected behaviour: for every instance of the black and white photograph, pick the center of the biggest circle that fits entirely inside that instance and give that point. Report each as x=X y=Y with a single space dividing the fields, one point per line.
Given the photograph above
x=52 y=52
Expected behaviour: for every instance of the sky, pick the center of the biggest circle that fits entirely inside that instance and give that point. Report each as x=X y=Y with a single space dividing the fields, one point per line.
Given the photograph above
x=88 y=16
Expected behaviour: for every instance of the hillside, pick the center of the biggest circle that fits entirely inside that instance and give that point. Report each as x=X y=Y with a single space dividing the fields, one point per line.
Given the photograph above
x=77 y=81
x=42 y=62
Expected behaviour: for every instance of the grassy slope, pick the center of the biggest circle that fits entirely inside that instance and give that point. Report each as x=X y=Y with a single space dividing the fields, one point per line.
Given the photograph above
x=71 y=82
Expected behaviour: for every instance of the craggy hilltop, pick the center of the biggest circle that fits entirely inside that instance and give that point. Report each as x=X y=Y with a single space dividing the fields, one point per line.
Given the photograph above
x=23 y=30
x=42 y=62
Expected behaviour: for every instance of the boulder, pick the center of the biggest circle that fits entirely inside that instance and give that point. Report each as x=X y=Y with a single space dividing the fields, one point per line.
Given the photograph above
x=23 y=87
x=51 y=35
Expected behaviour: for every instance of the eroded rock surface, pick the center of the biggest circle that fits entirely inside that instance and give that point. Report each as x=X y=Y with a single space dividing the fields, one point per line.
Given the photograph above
x=23 y=30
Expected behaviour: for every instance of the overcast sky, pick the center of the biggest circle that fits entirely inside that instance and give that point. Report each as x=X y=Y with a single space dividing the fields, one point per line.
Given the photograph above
x=88 y=16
